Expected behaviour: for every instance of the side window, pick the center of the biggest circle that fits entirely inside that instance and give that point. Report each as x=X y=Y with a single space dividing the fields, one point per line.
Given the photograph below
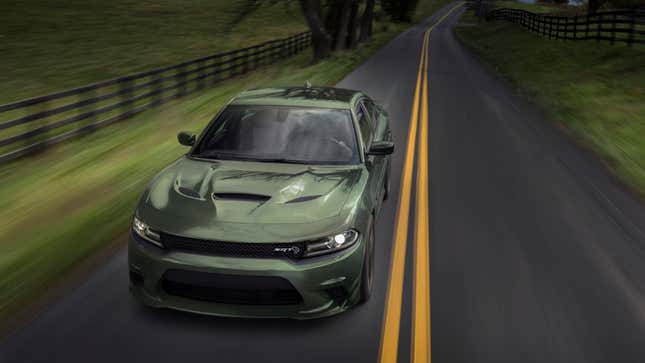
x=364 y=124
x=372 y=110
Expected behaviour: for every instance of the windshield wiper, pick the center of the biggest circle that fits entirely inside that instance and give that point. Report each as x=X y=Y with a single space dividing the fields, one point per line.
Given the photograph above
x=227 y=156
x=280 y=160
x=222 y=156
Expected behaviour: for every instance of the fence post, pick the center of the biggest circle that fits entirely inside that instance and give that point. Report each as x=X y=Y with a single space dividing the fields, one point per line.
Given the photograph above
x=632 y=28
x=238 y=63
x=575 y=27
x=91 y=106
x=529 y=21
x=536 y=24
x=550 y=27
x=516 y=18
x=557 y=28
x=126 y=93
x=598 y=28
x=253 y=59
x=245 y=62
x=180 y=77
x=587 y=28
x=157 y=85
x=43 y=107
x=282 y=50
x=613 y=30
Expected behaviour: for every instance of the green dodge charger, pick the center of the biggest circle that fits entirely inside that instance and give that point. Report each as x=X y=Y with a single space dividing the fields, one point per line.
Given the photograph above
x=272 y=211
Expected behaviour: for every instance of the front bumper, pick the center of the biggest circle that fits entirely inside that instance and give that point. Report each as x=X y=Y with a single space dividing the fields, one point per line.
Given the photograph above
x=328 y=284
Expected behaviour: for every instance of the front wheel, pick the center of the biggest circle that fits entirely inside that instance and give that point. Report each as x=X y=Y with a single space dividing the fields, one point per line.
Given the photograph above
x=387 y=186
x=367 y=275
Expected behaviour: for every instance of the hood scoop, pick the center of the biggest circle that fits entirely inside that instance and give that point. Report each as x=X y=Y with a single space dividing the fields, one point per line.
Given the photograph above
x=245 y=197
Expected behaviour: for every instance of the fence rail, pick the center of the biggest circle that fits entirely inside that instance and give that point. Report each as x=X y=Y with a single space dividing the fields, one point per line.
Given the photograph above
x=613 y=26
x=31 y=125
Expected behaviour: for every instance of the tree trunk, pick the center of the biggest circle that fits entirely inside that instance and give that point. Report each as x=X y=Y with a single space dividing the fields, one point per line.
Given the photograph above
x=332 y=19
x=321 y=40
x=594 y=5
x=340 y=40
x=366 y=21
x=352 y=28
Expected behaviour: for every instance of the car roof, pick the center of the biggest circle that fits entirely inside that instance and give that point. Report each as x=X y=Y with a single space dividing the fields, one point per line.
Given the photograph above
x=325 y=97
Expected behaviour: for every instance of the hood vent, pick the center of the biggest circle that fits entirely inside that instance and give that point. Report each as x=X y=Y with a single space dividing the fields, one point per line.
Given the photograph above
x=304 y=199
x=189 y=192
x=242 y=197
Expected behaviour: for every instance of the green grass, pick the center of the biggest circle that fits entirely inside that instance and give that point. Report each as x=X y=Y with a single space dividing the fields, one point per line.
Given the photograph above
x=426 y=8
x=62 y=206
x=48 y=47
x=596 y=91
x=535 y=8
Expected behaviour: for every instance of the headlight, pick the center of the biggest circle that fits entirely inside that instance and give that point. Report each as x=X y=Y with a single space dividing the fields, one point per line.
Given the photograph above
x=144 y=231
x=331 y=244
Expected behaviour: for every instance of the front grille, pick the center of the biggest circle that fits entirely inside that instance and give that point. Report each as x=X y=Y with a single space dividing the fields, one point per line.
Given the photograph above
x=230 y=289
x=293 y=250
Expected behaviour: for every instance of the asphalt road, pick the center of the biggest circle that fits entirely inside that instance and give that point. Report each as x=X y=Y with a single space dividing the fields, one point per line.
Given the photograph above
x=536 y=254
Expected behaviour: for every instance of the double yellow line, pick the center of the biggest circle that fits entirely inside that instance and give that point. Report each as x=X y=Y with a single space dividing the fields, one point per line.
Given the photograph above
x=420 y=349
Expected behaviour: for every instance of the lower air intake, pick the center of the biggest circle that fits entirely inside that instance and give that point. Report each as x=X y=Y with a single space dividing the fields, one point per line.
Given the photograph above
x=230 y=289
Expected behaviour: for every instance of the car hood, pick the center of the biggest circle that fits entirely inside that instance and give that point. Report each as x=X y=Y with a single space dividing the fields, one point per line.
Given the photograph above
x=196 y=197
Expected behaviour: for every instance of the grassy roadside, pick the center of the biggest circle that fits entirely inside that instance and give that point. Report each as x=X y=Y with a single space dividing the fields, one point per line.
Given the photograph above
x=425 y=8
x=595 y=91
x=62 y=206
x=49 y=47
x=535 y=8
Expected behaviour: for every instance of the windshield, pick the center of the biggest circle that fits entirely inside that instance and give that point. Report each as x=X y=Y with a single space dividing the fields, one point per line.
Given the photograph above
x=281 y=134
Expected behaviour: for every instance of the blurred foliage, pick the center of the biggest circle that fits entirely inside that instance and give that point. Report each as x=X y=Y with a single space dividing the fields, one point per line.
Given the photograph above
x=50 y=46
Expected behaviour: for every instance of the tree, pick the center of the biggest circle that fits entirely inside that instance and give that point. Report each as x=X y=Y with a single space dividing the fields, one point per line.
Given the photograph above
x=336 y=24
x=340 y=36
x=320 y=38
x=366 y=21
x=353 y=26
x=594 y=5
x=400 y=10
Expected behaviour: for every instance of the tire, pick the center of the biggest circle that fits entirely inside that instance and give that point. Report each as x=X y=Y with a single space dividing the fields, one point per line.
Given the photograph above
x=367 y=274
x=388 y=186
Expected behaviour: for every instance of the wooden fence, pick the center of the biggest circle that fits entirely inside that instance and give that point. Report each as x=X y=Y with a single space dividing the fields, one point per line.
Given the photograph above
x=34 y=124
x=614 y=26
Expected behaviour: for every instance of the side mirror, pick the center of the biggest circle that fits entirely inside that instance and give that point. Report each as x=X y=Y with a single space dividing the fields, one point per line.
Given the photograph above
x=186 y=138
x=381 y=148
